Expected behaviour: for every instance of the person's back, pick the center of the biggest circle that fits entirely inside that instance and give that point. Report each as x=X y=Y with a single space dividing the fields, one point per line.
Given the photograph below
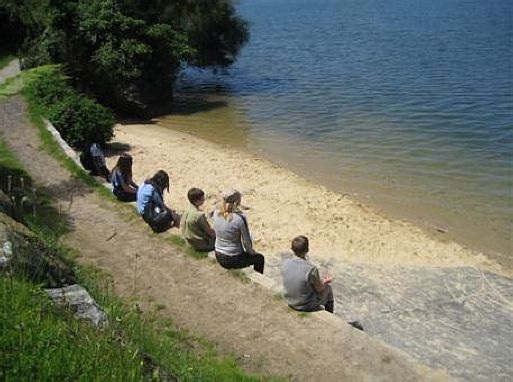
x=123 y=187
x=233 y=246
x=150 y=203
x=297 y=276
x=145 y=193
x=229 y=233
x=98 y=160
x=303 y=288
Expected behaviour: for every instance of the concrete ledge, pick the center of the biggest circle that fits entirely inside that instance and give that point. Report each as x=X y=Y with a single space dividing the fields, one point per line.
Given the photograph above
x=72 y=154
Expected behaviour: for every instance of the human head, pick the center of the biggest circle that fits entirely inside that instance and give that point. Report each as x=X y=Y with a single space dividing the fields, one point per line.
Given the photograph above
x=232 y=196
x=124 y=164
x=196 y=196
x=231 y=200
x=299 y=245
x=160 y=180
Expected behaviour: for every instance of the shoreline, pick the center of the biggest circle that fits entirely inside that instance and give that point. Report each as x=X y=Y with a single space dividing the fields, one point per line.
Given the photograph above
x=282 y=204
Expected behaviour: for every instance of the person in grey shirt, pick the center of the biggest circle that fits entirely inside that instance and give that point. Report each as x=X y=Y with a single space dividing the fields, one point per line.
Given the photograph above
x=304 y=289
x=233 y=246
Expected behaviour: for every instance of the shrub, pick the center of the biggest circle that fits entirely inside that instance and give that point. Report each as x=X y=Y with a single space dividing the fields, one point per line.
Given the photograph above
x=47 y=85
x=74 y=115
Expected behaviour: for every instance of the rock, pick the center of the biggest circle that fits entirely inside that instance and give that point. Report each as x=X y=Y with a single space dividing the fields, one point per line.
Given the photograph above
x=80 y=302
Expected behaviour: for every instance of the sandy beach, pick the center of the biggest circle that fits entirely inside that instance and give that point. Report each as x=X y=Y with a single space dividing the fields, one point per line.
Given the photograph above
x=281 y=205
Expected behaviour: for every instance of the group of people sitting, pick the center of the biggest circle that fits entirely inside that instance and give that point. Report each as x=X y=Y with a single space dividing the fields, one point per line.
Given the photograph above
x=229 y=236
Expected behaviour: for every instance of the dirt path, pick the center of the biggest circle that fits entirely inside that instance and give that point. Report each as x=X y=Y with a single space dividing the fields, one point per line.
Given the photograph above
x=10 y=70
x=200 y=296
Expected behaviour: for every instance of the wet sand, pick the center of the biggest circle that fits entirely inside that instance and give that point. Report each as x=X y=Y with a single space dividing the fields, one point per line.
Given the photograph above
x=281 y=205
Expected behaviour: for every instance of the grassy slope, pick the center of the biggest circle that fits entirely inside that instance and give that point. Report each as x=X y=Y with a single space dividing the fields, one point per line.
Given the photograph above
x=36 y=341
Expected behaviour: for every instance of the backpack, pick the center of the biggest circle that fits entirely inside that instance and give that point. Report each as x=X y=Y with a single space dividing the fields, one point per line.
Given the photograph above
x=159 y=219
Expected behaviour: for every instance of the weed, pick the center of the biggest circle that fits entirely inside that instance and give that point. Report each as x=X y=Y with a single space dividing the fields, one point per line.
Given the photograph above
x=278 y=296
x=179 y=242
x=303 y=315
x=239 y=274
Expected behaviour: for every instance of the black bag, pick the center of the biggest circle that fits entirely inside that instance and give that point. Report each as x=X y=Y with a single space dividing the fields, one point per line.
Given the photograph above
x=159 y=219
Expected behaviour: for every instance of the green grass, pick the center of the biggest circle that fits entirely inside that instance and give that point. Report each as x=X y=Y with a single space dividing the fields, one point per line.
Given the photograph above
x=303 y=315
x=39 y=342
x=9 y=164
x=239 y=274
x=11 y=86
x=278 y=296
x=179 y=242
x=47 y=220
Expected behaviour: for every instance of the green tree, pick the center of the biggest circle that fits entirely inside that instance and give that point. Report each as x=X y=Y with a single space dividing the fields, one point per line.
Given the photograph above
x=128 y=52
x=216 y=33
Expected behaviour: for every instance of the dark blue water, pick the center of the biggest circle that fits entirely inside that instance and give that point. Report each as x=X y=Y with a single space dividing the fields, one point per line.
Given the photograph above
x=407 y=101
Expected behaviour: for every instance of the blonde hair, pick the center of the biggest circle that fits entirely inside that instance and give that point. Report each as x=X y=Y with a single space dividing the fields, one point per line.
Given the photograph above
x=229 y=204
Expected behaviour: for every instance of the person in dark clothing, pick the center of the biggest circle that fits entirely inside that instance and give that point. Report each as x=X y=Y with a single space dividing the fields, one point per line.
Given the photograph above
x=121 y=177
x=93 y=158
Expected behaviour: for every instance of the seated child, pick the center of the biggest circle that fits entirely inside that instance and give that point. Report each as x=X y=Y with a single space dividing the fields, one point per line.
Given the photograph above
x=121 y=177
x=150 y=203
x=304 y=290
x=195 y=228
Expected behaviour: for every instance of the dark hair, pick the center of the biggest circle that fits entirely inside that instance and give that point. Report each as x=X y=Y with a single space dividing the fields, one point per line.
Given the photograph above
x=299 y=245
x=195 y=194
x=124 y=164
x=95 y=136
x=160 y=180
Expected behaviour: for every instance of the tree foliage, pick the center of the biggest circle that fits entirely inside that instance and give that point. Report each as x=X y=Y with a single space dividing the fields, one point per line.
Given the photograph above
x=128 y=52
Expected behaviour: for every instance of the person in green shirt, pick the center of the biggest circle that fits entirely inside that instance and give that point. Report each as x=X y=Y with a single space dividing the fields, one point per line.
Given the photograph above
x=195 y=228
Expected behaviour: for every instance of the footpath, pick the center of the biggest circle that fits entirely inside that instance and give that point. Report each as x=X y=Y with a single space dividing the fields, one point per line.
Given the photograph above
x=246 y=320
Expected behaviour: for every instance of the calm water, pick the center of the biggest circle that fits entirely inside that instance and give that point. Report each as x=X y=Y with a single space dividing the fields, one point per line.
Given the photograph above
x=407 y=103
